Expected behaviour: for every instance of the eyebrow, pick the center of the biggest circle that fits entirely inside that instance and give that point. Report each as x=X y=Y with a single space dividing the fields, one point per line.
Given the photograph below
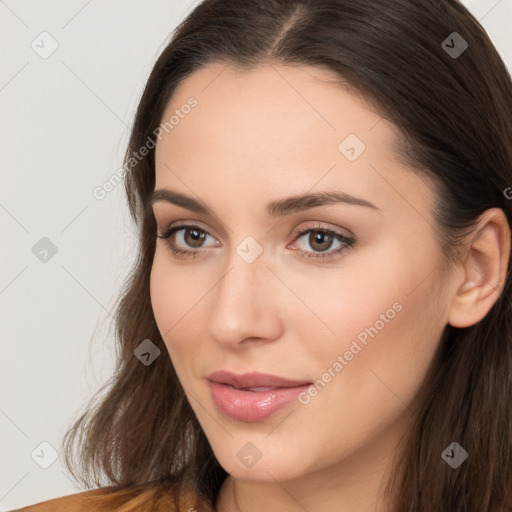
x=276 y=208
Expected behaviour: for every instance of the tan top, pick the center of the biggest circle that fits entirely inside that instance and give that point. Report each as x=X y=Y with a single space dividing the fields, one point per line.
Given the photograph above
x=116 y=500
x=73 y=503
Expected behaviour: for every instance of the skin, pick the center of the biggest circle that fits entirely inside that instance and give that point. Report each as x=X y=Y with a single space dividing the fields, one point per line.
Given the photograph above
x=268 y=134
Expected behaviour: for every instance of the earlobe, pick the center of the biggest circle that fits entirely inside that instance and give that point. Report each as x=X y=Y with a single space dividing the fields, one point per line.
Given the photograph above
x=485 y=270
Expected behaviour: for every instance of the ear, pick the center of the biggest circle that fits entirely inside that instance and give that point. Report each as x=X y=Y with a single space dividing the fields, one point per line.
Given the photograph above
x=484 y=270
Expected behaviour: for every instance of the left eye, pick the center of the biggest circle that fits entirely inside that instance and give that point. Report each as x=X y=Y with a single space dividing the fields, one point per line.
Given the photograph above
x=321 y=240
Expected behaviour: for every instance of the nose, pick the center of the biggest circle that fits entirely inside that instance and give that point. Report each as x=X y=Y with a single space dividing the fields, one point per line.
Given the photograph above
x=244 y=304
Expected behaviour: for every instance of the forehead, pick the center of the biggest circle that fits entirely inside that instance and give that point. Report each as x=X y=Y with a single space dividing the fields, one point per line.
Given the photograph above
x=273 y=98
x=282 y=127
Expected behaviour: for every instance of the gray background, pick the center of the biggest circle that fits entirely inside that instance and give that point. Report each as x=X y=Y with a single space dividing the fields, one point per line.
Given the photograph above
x=65 y=125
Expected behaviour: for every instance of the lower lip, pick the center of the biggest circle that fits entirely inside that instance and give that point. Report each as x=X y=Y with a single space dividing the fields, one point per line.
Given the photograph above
x=245 y=405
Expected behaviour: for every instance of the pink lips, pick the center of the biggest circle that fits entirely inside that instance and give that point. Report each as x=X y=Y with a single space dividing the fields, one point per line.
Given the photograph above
x=253 y=396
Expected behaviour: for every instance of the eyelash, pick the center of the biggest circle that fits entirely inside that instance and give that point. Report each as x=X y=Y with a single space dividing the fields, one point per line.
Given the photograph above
x=348 y=242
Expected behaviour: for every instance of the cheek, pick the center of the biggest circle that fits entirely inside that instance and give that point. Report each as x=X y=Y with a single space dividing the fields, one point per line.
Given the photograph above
x=162 y=294
x=359 y=302
x=172 y=300
x=379 y=331
x=376 y=380
x=178 y=298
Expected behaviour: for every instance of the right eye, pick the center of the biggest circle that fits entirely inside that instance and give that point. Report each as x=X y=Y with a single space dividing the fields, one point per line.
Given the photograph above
x=184 y=236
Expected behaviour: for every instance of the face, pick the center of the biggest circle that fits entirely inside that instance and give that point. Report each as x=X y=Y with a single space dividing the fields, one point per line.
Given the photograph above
x=338 y=296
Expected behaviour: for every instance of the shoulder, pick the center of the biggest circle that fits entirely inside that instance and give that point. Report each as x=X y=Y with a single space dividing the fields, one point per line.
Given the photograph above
x=110 y=499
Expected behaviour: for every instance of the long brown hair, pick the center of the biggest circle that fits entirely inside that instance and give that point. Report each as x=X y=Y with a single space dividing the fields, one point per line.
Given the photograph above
x=454 y=117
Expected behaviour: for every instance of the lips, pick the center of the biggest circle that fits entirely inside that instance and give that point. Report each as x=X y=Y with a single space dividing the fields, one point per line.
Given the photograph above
x=253 y=396
x=254 y=380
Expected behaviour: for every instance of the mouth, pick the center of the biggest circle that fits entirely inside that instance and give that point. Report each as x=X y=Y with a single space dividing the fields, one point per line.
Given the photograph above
x=253 y=397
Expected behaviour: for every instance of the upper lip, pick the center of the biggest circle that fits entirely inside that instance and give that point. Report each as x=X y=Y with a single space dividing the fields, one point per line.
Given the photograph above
x=253 y=380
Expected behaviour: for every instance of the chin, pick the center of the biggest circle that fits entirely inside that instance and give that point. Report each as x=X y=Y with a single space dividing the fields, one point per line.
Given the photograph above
x=271 y=465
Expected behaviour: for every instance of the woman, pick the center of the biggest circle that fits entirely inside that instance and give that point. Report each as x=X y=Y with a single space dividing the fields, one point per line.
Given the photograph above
x=319 y=318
